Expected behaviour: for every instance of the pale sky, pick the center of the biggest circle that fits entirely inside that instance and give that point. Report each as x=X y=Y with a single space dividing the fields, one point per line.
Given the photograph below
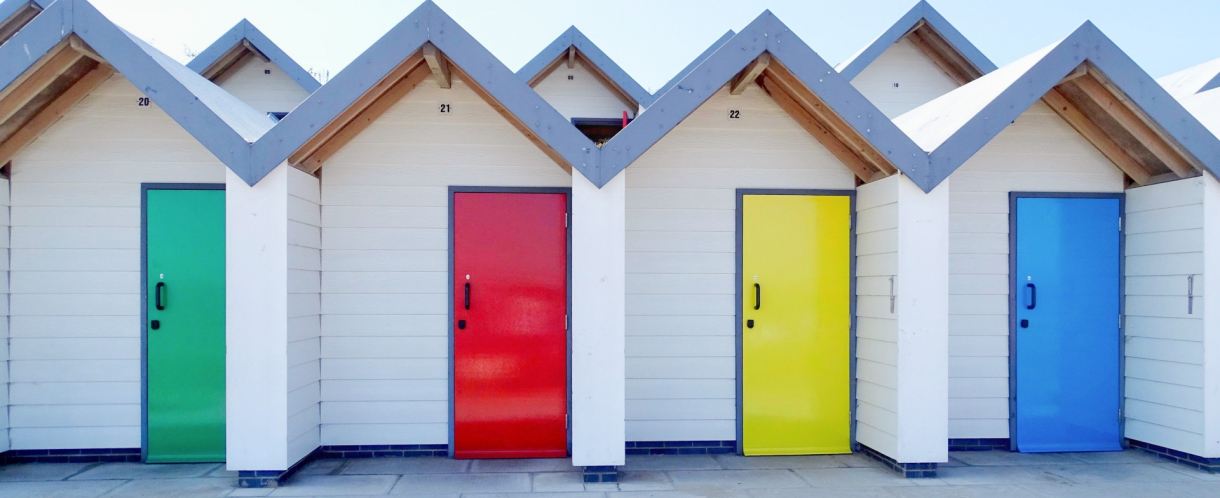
x=653 y=39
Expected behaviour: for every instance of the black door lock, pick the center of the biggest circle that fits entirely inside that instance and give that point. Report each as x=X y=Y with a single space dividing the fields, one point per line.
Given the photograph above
x=749 y=324
x=461 y=324
x=156 y=324
x=1024 y=324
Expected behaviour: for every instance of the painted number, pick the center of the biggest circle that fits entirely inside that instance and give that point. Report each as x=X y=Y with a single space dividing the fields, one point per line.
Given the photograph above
x=446 y=108
x=142 y=102
x=734 y=114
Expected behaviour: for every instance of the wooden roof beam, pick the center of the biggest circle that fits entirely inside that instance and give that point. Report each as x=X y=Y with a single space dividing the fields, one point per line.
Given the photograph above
x=254 y=50
x=936 y=50
x=571 y=56
x=1156 y=143
x=819 y=131
x=54 y=111
x=14 y=100
x=438 y=64
x=1098 y=137
x=84 y=49
x=749 y=74
x=513 y=120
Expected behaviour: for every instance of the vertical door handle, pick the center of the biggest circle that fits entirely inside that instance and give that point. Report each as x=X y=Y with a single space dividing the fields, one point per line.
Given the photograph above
x=467 y=295
x=757 y=296
x=1033 y=296
x=157 y=291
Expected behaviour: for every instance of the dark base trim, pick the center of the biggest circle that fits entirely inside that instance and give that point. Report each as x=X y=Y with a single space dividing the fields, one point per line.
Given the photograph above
x=681 y=447
x=1202 y=463
x=601 y=473
x=272 y=478
x=908 y=470
x=979 y=444
x=86 y=455
x=383 y=451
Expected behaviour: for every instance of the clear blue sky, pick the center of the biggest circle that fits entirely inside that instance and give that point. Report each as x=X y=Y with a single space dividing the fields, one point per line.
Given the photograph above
x=652 y=39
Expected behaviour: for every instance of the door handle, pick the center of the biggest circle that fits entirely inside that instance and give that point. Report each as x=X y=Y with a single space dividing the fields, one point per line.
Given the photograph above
x=1033 y=296
x=757 y=296
x=157 y=291
x=467 y=295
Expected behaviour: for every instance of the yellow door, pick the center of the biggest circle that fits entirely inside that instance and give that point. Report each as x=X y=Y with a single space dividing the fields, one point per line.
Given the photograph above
x=796 y=324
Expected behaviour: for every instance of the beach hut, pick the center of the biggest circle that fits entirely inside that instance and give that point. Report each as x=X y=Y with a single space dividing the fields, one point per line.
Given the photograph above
x=247 y=64
x=115 y=257
x=1078 y=189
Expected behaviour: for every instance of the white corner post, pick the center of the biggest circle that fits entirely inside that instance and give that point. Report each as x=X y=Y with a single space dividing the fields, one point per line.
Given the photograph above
x=598 y=317
x=256 y=322
x=922 y=305
x=1211 y=316
x=4 y=307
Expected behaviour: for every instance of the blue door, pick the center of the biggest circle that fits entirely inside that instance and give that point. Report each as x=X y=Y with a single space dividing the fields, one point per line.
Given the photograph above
x=1067 y=324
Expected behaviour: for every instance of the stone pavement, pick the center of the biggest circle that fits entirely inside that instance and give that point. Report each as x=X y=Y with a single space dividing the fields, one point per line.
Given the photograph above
x=989 y=474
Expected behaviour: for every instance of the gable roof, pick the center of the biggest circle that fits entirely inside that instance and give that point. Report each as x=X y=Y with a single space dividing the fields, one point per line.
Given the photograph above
x=1205 y=105
x=1192 y=80
x=244 y=38
x=15 y=14
x=388 y=60
x=707 y=52
x=220 y=122
x=837 y=104
x=550 y=56
x=931 y=32
x=1075 y=73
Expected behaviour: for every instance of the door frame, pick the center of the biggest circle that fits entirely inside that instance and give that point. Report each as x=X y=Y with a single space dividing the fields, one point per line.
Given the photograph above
x=455 y=189
x=144 y=188
x=1012 y=303
x=739 y=314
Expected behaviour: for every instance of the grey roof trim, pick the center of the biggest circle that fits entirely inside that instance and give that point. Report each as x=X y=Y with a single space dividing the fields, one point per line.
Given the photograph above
x=921 y=11
x=10 y=8
x=245 y=30
x=1025 y=88
x=765 y=34
x=711 y=49
x=220 y=122
x=572 y=37
x=427 y=23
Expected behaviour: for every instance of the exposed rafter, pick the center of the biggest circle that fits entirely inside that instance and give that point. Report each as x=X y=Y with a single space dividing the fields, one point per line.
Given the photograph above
x=749 y=74
x=438 y=64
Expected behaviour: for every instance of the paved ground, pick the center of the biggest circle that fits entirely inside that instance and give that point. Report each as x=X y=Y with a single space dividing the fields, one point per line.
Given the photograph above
x=989 y=474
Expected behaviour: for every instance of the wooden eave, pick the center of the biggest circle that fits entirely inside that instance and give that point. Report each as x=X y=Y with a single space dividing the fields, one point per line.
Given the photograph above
x=569 y=59
x=10 y=26
x=413 y=70
x=231 y=58
x=934 y=45
x=1103 y=114
x=45 y=92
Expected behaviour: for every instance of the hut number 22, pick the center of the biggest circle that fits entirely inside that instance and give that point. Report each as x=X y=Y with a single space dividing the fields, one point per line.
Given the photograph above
x=734 y=114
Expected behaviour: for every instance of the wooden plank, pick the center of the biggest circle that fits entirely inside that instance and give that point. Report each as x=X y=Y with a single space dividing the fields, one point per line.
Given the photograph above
x=938 y=56
x=254 y=50
x=24 y=92
x=546 y=149
x=328 y=130
x=571 y=56
x=362 y=121
x=823 y=134
x=54 y=111
x=1156 y=143
x=438 y=64
x=84 y=49
x=1096 y=136
x=10 y=26
x=750 y=73
x=224 y=62
x=1080 y=71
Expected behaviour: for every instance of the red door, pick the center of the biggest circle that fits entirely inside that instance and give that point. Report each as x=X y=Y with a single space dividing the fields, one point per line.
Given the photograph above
x=510 y=346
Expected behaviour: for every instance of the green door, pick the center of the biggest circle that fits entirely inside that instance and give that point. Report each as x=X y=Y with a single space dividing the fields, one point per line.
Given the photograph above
x=186 y=325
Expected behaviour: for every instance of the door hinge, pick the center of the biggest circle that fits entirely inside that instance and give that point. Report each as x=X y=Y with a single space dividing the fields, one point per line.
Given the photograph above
x=1120 y=223
x=565 y=322
x=565 y=220
x=565 y=421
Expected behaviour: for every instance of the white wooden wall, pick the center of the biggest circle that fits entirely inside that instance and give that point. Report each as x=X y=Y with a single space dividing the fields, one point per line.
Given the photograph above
x=248 y=81
x=584 y=96
x=75 y=267
x=304 y=308
x=876 y=324
x=4 y=376
x=681 y=257
x=918 y=79
x=1039 y=152
x=385 y=259
x=1164 y=343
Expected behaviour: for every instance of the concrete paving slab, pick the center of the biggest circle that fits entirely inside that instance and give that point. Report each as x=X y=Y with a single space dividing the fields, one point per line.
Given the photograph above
x=524 y=465
x=551 y=482
x=1201 y=475
x=1128 y=456
x=573 y=494
x=998 y=474
x=738 y=462
x=322 y=467
x=601 y=486
x=735 y=479
x=251 y=491
x=997 y=457
x=1126 y=472
x=57 y=489
x=400 y=466
x=641 y=480
x=1105 y=490
x=203 y=487
x=853 y=477
x=336 y=486
x=987 y=491
x=671 y=462
x=868 y=492
x=858 y=460
x=146 y=471
x=41 y=471
x=705 y=493
x=463 y=483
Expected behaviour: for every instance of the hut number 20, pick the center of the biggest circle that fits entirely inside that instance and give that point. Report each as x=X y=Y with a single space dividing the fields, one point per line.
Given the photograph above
x=142 y=102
